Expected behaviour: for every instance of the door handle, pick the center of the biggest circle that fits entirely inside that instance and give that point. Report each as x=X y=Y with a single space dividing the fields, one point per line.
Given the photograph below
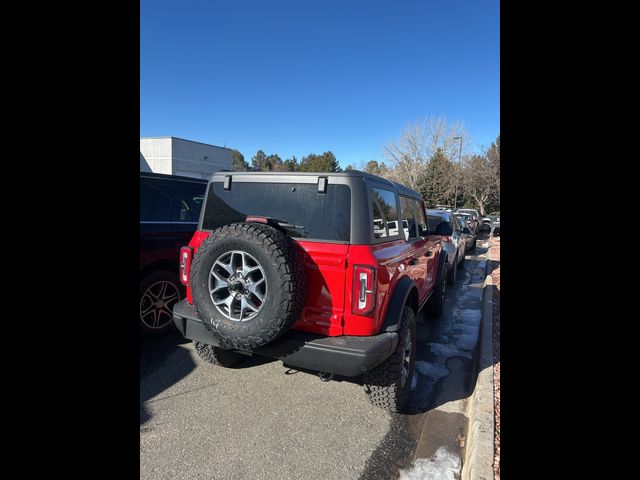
x=413 y=261
x=428 y=253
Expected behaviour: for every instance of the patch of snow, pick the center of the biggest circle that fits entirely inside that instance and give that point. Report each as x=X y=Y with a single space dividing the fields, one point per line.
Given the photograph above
x=431 y=370
x=442 y=466
x=467 y=342
x=448 y=351
x=470 y=316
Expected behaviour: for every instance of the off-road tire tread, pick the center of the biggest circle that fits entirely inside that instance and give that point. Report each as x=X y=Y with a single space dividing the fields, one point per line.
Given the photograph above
x=217 y=356
x=382 y=383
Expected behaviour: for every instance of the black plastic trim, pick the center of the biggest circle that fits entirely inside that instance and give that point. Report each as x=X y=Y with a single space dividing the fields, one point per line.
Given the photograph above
x=396 y=305
x=348 y=356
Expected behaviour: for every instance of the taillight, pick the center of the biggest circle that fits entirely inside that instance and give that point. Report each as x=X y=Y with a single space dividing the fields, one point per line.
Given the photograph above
x=447 y=239
x=185 y=264
x=364 y=289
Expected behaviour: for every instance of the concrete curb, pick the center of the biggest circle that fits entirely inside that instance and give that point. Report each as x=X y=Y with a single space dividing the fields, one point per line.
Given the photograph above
x=479 y=452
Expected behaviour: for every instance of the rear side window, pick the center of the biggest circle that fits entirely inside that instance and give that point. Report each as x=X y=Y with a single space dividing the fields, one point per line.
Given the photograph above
x=385 y=213
x=148 y=196
x=312 y=215
x=408 y=209
x=421 y=218
x=188 y=198
x=155 y=201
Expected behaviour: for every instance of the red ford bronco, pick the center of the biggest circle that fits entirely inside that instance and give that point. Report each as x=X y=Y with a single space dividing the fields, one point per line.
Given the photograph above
x=312 y=269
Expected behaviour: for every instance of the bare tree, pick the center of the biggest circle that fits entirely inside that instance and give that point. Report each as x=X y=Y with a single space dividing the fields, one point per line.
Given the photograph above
x=481 y=176
x=418 y=142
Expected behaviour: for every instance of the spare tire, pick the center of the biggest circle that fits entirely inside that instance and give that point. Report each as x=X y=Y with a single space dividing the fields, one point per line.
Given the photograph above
x=248 y=284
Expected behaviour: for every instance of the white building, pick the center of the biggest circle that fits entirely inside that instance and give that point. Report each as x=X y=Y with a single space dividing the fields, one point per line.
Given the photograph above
x=177 y=156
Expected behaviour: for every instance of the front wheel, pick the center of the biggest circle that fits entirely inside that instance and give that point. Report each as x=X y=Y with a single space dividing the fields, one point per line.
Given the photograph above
x=388 y=385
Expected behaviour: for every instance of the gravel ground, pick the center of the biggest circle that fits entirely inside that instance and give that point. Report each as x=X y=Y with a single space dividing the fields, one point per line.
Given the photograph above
x=494 y=255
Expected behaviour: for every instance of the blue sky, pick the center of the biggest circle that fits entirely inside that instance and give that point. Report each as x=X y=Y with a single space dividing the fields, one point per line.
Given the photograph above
x=300 y=77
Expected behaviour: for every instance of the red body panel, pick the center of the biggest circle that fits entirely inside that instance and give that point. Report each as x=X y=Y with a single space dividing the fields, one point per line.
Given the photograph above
x=325 y=267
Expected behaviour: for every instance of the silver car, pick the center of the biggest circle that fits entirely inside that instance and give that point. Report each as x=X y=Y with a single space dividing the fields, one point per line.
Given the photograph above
x=454 y=241
x=465 y=220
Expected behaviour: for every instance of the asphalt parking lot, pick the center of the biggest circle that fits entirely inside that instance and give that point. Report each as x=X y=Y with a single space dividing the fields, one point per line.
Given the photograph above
x=262 y=420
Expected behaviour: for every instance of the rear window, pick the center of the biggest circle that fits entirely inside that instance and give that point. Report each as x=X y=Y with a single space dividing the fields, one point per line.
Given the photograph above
x=317 y=216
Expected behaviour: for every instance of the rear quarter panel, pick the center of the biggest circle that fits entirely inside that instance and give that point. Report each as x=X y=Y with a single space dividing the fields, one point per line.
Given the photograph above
x=389 y=260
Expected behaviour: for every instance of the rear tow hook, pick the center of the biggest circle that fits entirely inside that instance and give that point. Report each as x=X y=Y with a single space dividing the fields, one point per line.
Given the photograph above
x=325 y=377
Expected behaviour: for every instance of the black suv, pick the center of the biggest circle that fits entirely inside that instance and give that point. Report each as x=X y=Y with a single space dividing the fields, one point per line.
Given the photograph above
x=169 y=211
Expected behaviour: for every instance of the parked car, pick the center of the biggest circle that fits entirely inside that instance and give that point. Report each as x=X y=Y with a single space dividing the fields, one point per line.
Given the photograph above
x=470 y=211
x=169 y=212
x=454 y=242
x=470 y=238
x=469 y=221
x=495 y=226
x=445 y=208
x=306 y=268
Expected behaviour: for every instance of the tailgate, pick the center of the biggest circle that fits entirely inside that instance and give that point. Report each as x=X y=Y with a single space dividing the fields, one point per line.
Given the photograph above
x=325 y=268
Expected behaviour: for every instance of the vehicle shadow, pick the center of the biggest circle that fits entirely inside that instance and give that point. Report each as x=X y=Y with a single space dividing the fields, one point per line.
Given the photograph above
x=163 y=362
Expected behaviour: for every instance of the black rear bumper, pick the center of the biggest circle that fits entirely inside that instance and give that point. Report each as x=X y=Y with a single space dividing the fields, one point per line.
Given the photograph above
x=349 y=356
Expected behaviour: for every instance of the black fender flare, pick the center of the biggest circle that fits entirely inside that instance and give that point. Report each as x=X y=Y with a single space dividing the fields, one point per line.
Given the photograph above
x=401 y=293
x=442 y=267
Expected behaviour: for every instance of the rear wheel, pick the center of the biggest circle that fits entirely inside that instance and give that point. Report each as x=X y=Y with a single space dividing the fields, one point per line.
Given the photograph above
x=451 y=274
x=435 y=305
x=217 y=356
x=388 y=385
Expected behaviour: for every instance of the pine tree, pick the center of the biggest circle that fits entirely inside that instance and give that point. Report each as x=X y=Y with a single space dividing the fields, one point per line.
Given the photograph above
x=437 y=184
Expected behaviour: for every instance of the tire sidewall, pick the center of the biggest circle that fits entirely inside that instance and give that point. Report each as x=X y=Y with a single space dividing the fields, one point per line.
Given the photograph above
x=410 y=319
x=451 y=274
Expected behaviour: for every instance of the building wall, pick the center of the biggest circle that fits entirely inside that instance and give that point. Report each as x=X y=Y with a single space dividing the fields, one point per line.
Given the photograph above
x=144 y=166
x=157 y=153
x=192 y=159
x=176 y=156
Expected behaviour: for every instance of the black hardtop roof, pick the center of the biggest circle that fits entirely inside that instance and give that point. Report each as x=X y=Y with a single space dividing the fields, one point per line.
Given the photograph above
x=173 y=177
x=219 y=177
